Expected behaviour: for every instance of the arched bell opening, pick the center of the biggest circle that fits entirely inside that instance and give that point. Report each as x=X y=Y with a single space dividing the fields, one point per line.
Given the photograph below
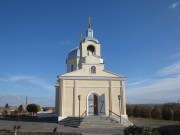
x=90 y=50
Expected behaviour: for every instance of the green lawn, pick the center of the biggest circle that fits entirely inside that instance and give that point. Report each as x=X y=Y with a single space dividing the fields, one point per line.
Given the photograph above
x=149 y=120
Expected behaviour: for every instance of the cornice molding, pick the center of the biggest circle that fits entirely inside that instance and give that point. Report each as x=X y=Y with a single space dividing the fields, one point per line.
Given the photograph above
x=89 y=86
x=91 y=78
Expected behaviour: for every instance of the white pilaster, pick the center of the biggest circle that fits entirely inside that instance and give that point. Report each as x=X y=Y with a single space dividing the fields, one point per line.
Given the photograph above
x=110 y=97
x=61 y=98
x=123 y=101
x=74 y=97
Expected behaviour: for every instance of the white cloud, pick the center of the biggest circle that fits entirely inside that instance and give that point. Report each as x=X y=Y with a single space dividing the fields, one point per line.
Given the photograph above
x=32 y=80
x=20 y=77
x=169 y=70
x=174 y=5
x=3 y=80
x=23 y=82
x=138 y=82
x=41 y=83
x=177 y=55
x=159 y=90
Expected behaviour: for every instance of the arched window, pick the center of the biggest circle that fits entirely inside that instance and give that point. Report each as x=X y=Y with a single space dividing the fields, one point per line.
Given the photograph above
x=90 y=50
x=72 y=67
x=93 y=70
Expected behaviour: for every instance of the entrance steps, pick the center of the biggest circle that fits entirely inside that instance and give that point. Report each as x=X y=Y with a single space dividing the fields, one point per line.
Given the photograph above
x=96 y=122
x=100 y=122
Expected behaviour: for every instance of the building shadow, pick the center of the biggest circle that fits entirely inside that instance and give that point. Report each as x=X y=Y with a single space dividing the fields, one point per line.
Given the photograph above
x=30 y=119
x=169 y=130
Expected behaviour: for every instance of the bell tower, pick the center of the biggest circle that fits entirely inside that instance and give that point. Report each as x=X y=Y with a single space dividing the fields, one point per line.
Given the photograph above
x=87 y=54
x=89 y=45
x=90 y=50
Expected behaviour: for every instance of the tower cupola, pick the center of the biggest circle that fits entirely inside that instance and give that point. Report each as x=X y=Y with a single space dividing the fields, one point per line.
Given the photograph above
x=89 y=33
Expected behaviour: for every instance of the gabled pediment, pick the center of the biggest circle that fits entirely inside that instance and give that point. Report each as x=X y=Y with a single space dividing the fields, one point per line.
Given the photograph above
x=84 y=73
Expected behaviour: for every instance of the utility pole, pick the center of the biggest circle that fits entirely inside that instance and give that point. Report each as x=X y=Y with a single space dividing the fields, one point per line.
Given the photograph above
x=26 y=101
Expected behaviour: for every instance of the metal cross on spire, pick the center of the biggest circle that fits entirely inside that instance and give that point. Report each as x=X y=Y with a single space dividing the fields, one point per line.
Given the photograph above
x=81 y=37
x=89 y=22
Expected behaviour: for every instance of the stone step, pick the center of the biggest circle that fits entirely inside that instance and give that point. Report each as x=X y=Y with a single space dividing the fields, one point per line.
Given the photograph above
x=124 y=121
x=100 y=122
x=101 y=125
x=105 y=126
x=108 y=125
x=71 y=121
x=96 y=122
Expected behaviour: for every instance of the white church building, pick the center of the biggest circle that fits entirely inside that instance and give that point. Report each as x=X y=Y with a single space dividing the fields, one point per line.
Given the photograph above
x=88 y=88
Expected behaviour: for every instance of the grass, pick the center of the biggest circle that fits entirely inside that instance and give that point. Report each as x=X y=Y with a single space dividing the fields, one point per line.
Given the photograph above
x=165 y=127
x=6 y=132
x=150 y=120
x=46 y=133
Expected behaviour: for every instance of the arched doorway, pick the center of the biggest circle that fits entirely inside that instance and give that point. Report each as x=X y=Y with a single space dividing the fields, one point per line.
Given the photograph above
x=95 y=104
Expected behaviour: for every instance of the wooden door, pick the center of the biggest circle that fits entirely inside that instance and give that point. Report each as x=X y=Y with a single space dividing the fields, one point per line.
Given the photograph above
x=95 y=105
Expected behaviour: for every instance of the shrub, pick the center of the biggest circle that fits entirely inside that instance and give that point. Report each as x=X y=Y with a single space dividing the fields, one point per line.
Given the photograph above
x=136 y=111
x=177 y=115
x=33 y=108
x=177 y=107
x=137 y=130
x=5 y=132
x=145 y=112
x=4 y=113
x=129 y=110
x=155 y=113
x=166 y=112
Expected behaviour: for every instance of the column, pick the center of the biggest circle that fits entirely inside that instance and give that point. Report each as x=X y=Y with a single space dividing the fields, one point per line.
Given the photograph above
x=57 y=99
x=123 y=101
x=61 y=98
x=110 y=97
x=74 y=97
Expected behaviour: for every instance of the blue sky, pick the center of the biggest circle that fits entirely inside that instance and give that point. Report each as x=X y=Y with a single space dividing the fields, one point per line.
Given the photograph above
x=139 y=39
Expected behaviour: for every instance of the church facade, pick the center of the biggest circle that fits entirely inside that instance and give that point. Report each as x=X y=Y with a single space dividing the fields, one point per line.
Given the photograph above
x=87 y=88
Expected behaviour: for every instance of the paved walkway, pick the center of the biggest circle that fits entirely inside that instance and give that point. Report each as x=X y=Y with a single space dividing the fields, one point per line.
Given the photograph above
x=48 y=127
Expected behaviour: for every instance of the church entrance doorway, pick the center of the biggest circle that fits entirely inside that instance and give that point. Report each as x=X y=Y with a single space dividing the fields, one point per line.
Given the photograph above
x=95 y=104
